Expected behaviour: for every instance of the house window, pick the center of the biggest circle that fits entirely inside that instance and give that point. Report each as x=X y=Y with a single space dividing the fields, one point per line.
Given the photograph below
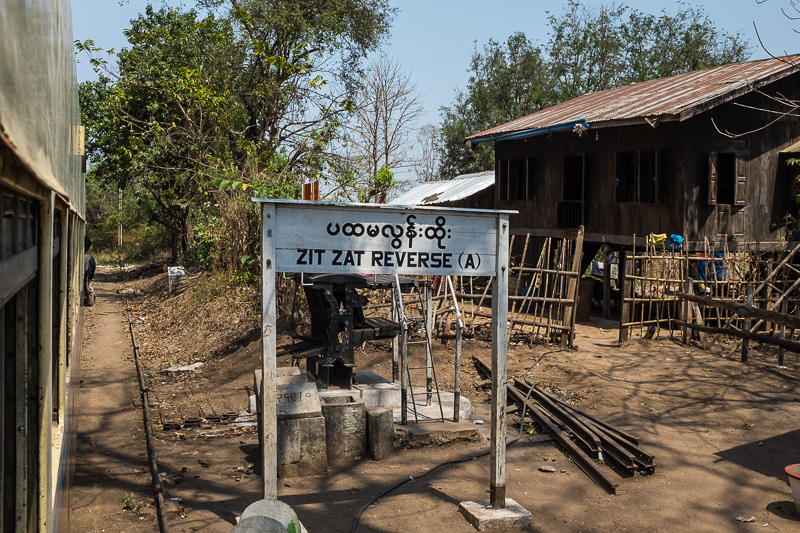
x=570 y=211
x=515 y=179
x=639 y=177
x=573 y=178
x=727 y=179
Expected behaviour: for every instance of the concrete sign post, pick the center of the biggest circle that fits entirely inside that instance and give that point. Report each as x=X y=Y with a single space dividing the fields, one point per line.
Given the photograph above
x=497 y=453
x=320 y=237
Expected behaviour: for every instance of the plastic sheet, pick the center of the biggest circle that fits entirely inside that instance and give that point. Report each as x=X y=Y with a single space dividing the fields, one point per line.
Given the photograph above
x=39 y=113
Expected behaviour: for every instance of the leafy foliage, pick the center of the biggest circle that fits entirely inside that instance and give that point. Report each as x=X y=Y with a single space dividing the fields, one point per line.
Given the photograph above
x=507 y=81
x=202 y=112
x=588 y=50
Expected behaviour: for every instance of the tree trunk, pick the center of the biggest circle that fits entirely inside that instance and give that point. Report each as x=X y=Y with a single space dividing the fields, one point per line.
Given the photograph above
x=174 y=245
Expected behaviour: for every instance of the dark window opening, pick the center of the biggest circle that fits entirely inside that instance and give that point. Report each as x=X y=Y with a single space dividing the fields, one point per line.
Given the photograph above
x=649 y=177
x=570 y=211
x=502 y=180
x=638 y=177
x=626 y=177
x=515 y=179
x=726 y=179
x=531 y=179
x=573 y=178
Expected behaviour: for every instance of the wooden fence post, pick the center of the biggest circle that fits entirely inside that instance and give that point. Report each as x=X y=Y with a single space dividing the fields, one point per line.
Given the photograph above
x=747 y=324
x=624 y=331
x=784 y=310
x=606 y=282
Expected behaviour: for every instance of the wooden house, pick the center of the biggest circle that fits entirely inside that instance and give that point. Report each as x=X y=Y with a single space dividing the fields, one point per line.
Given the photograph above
x=701 y=155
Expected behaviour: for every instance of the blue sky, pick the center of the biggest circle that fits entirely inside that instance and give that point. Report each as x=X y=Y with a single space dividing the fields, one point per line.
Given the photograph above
x=433 y=39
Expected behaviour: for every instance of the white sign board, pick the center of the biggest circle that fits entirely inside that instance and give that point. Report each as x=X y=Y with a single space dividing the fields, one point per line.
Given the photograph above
x=318 y=237
x=330 y=238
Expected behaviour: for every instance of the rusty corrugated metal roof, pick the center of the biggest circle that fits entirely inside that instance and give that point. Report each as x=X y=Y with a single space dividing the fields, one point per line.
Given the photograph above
x=674 y=98
x=438 y=192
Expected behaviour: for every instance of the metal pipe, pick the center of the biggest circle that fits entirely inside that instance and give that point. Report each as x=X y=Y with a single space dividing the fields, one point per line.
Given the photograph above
x=403 y=353
x=532 y=132
x=457 y=377
x=158 y=488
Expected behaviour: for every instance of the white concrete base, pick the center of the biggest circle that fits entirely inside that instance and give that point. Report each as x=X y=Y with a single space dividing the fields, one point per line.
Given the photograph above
x=372 y=389
x=482 y=517
x=432 y=412
x=272 y=509
x=376 y=391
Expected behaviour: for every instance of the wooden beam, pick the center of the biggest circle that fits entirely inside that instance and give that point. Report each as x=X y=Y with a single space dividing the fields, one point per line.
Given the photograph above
x=622 y=273
x=269 y=414
x=792 y=346
x=747 y=324
x=527 y=322
x=606 y=282
x=572 y=286
x=764 y=283
x=745 y=311
x=539 y=299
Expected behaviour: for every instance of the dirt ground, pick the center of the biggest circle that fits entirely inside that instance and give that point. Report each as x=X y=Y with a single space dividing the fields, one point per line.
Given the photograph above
x=722 y=432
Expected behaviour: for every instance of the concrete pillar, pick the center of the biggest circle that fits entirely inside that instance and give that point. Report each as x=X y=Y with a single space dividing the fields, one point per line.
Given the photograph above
x=380 y=432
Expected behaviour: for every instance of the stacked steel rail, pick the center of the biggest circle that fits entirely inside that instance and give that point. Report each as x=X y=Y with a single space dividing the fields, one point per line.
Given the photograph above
x=579 y=434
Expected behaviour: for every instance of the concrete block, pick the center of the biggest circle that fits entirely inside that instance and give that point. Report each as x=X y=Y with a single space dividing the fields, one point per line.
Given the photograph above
x=377 y=391
x=435 y=434
x=258 y=524
x=274 y=509
x=379 y=394
x=291 y=380
x=345 y=428
x=482 y=517
x=288 y=371
x=380 y=432
x=296 y=397
x=298 y=400
x=301 y=447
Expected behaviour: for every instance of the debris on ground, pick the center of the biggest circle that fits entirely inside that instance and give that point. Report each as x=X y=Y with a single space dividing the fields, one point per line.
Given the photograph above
x=176 y=368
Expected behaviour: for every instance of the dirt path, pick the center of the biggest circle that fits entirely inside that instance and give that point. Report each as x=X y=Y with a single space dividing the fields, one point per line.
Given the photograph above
x=721 y=431
x=111 y=460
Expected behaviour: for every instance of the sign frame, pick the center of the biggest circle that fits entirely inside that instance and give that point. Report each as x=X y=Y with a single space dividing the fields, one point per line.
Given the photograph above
x=274 y=259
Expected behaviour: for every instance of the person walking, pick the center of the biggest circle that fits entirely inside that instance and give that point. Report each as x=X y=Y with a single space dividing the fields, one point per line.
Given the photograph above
x=88 y=273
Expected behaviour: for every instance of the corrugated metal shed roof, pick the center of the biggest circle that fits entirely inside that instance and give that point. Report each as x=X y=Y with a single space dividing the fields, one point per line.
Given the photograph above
x=674 y=98
x=438 y=192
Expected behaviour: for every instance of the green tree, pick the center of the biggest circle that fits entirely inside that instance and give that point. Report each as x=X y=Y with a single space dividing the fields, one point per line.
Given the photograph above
x=294 y=50
x=508 y=81
x=597 y=49
x=200 y=110
x=585 y=49
x=588 y=49
x=165 y=121
x=665 y=45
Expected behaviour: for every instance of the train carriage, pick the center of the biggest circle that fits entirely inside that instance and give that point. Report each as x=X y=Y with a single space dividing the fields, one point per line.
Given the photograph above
x=42 y=198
